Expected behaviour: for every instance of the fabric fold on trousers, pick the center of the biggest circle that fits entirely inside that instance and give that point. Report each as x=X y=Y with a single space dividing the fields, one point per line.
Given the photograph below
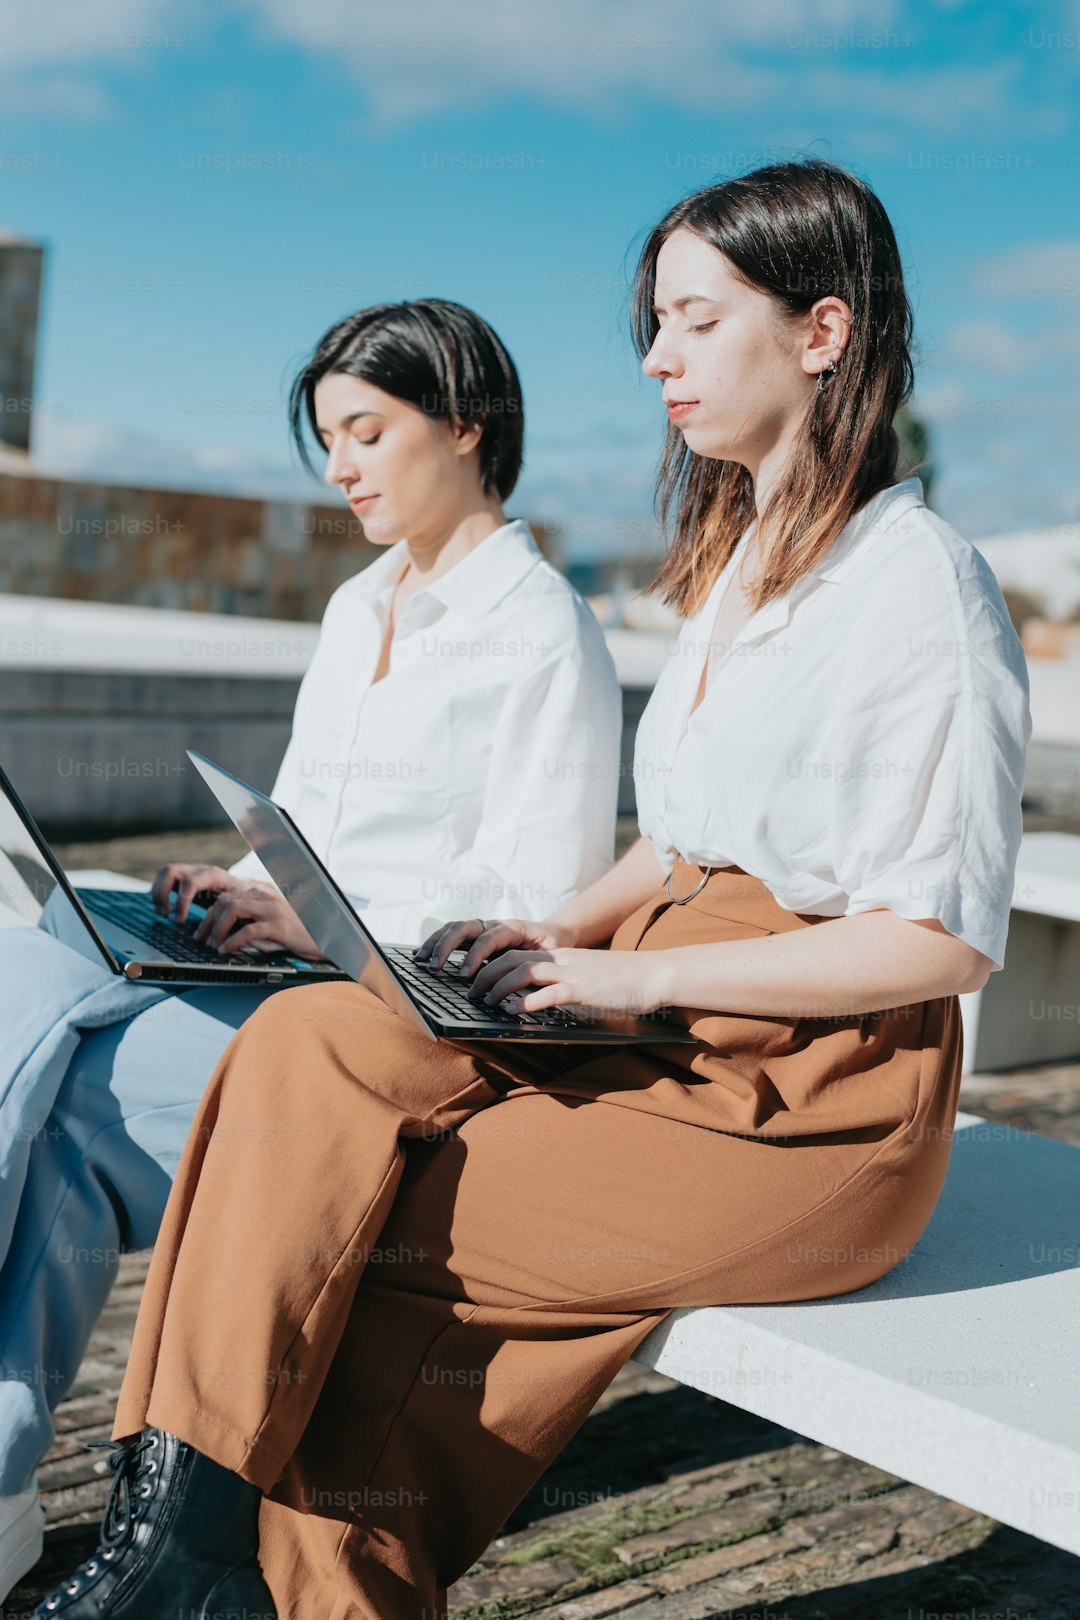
x=394 y=1275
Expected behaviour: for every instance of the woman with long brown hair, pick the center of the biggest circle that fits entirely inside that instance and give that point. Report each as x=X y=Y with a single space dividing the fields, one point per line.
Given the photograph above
x=395 y=1275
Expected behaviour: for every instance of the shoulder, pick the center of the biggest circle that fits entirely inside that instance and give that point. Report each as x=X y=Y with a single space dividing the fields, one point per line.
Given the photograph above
x=919 y=579
x=562 y=622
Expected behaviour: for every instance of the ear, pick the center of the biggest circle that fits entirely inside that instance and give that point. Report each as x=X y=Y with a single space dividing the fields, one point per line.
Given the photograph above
x=466 y=435
x=827 y=337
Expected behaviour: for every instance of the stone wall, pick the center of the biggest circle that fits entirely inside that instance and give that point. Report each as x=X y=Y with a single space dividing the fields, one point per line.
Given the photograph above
x=101 y=542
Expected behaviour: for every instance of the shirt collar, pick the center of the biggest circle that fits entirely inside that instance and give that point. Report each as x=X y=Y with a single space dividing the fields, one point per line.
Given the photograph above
x=472 y=586
x=880 y=510
x=884 y=507
x=489 y=572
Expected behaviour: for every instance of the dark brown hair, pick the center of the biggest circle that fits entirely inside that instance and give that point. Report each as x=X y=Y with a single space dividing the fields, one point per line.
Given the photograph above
x=435 y=354
x=799 y=231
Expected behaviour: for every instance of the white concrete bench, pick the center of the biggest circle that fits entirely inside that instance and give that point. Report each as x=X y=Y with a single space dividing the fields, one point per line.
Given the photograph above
x=957 y=1370
x=1030 y=1011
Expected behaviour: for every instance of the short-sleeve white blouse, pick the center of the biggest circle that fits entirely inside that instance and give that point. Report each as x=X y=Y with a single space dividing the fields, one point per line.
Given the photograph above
x=862 y=741
x=479 y=776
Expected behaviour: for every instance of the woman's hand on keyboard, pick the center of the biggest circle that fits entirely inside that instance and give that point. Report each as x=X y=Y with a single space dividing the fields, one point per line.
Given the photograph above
x=189 y=881
x=255 y=914
x=486 y=939
x=585 y=981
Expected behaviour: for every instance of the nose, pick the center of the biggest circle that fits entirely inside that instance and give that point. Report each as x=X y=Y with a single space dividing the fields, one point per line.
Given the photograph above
x=659 y=362
x=340 y=468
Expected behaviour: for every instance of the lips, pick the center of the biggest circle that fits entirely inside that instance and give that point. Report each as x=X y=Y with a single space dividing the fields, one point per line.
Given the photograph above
x=677 y=409
x=360 y=503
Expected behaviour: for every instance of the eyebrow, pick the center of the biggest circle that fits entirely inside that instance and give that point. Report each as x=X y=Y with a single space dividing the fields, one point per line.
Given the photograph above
x=347 y=421
x=681 y=303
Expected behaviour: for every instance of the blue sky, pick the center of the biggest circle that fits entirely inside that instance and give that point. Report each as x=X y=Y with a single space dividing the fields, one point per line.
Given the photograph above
x=217 y=184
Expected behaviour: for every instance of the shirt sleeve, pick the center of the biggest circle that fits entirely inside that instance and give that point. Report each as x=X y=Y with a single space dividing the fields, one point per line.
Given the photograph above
x=927 y=754
x=547 y=827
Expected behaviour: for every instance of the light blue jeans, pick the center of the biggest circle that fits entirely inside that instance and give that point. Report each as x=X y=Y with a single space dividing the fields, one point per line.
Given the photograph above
x=99 y=1176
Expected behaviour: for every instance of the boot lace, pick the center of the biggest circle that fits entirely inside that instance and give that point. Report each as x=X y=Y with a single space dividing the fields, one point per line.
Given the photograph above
x=130 y=1463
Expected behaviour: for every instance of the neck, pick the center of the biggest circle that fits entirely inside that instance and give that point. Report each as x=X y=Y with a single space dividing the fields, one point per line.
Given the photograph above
x=430 y=555
x=767 y=470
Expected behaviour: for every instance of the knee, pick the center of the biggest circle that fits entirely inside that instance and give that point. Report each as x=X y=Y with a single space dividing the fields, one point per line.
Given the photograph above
x=311 y=1011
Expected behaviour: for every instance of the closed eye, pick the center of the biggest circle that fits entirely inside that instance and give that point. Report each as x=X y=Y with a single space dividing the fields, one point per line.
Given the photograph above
x=375 y=440
x=707 y=326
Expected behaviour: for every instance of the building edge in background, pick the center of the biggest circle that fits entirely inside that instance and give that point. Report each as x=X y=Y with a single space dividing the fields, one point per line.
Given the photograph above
x=21 y=272
x=97 y=539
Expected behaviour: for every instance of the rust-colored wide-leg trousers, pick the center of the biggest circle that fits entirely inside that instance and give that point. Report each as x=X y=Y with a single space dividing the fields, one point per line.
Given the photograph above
x=395 y=1275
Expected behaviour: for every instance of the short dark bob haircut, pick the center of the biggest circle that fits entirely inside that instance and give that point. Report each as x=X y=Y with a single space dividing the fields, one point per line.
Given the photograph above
x=431 y=353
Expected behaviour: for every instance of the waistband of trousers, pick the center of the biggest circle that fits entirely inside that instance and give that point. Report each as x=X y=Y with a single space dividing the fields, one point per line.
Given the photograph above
x=732 y=892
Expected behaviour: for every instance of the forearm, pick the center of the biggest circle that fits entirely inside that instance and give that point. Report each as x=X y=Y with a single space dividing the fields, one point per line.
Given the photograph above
x=593 y=916
x=845 y=965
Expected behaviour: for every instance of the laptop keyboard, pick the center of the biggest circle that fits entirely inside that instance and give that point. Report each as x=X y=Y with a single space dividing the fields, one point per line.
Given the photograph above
x=443 y=994
x=171 y=940
x=439 y=990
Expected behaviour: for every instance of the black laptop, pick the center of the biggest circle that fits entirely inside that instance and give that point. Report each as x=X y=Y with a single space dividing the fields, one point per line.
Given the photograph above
x=120 y=926
x=435 y=1000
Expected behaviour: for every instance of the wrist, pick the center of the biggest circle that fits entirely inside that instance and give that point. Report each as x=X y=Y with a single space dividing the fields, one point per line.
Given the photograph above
x=665 y=977
x=562 y=928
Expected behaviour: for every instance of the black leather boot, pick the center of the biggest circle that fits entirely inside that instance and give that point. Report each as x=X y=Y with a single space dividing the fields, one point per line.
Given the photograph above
x=179 y=1537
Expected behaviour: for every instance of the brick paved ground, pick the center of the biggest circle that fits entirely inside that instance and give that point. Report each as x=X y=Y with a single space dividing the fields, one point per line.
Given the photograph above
x=667 y=1502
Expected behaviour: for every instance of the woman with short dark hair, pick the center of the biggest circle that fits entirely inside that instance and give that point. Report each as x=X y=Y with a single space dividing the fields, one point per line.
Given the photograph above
x=365 y=1342
x=473 y=761
x=455 y=746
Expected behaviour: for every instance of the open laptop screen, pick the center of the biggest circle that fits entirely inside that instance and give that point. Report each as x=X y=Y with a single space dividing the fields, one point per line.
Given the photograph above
x=26 y=883
x=33 y=890
x=326 y=912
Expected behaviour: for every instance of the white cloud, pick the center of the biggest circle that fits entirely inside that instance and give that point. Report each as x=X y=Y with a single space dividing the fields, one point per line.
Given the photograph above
x=1031 y=322
x=597 y=485
x=1033 y=270
x=583 y=54
x=992 y=347
x=57 y=52
x=989 y=346
x=990 y=498
x=78 y=447
x=947 y=100
x=54 y=95
x=1004 y=455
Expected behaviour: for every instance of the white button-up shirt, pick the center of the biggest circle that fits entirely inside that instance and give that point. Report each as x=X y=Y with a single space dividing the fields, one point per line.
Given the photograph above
x=862 y=741
x=479 y=776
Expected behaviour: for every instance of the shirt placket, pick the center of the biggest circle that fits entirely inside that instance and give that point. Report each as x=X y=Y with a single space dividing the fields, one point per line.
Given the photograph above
x=420 y=610
x=380 y=607
x=773 y=616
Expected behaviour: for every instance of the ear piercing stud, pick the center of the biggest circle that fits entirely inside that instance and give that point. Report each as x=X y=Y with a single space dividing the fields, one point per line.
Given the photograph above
x=830 y=369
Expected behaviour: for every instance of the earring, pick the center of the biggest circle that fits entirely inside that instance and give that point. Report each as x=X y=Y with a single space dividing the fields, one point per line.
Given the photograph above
x=826 y=371
x=830 y=369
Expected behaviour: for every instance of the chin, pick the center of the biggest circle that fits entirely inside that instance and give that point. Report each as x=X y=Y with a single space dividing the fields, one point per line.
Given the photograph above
x=702 y=443
x=378 y=531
